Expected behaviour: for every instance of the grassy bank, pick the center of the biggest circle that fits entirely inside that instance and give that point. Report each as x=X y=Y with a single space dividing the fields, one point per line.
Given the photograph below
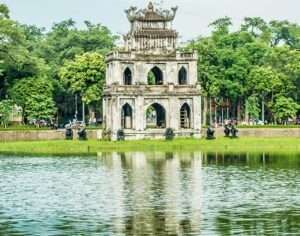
x=278 y=145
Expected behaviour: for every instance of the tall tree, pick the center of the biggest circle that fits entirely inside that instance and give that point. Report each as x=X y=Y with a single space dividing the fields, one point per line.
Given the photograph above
x=85 y=75
x=35 y=96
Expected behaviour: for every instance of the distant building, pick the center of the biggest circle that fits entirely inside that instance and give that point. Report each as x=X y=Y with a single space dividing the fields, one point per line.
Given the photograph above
x=150 y=86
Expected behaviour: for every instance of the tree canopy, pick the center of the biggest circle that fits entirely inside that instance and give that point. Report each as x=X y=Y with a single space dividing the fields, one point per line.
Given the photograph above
x=252 y=72
x=33 y=55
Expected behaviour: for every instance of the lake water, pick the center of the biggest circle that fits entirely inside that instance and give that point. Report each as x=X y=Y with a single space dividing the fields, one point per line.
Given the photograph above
x=151 y=194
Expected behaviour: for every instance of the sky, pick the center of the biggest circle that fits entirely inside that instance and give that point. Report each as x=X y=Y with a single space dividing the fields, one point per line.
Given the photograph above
x=192 y=19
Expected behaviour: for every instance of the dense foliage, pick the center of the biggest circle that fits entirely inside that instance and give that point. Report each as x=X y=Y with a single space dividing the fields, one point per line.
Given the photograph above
x=32 y=58
x=248 y=74
x=252 y=73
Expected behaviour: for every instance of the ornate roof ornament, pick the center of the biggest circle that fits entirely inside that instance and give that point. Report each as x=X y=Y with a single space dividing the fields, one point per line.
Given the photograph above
x=151 y=14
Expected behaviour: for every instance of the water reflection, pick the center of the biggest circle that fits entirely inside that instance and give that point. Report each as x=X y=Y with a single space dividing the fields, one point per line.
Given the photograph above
x=151 y=193
x=163 y=192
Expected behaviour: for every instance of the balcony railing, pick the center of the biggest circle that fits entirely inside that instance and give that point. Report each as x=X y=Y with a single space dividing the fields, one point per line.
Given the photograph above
x=153 y=89
x=127 y=55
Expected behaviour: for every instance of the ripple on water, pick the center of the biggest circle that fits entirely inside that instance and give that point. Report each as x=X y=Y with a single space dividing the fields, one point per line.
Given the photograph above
x=150 y=194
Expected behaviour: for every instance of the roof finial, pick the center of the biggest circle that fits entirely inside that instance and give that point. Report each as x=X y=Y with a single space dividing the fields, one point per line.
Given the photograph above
x=150 y=6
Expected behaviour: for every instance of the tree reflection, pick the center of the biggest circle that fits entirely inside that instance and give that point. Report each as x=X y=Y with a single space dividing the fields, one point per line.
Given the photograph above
x=9 y=226
x=255 y=222
x=253 y=160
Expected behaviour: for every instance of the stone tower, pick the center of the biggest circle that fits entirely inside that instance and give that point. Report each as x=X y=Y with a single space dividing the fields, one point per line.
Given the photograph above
x=150 y=86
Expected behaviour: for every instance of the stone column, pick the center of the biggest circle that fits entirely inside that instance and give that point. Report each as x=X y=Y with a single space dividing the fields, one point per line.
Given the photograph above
x=104 y=115
x=116 y=117
x=197 y=116
x=173 y=114
x=139 y=114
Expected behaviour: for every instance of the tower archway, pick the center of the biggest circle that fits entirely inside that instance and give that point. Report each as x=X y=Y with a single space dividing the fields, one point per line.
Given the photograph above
x=127 y=77
x=185 y=116
x=156 y=116
x=155 y=76
x=182 y=76
x=127 y=117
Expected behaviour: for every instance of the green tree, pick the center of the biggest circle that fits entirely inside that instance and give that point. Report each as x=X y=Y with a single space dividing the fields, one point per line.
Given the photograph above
x=285 y=32
x=6 y=107
x=285 y=108
x=85 y=75
x=63 y=43
x=221 y=25
x=35 y=96
x=263 y=82
x=252 y=107
x=16 y=60
x=255 y=25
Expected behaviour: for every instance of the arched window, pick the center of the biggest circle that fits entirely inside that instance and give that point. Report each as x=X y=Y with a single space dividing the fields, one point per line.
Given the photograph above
x=156 y=116
x=155 y=76
x=182 y=76
x=127 y=117
x=127 y=77
x=185 y=117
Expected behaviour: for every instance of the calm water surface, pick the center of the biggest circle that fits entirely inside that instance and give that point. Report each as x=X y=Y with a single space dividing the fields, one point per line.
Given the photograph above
x=151 y=194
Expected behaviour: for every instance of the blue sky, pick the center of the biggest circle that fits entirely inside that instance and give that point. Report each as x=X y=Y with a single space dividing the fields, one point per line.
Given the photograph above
x=192 y=19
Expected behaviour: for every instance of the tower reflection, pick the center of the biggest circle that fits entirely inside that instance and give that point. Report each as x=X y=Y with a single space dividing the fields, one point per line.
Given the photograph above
x=155 y=193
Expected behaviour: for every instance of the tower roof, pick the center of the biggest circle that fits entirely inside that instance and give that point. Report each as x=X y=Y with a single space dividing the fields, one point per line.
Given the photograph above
x=151 y=14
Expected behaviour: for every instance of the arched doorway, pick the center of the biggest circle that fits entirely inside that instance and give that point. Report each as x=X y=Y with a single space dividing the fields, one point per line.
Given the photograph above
x=127 y=77
x=156 y=116
x=127 y=118
x=182 y=76
x=185 y=117
x=155 y=76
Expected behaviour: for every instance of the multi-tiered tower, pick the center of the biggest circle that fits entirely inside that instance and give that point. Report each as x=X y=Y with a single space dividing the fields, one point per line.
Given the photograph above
x=150 y=86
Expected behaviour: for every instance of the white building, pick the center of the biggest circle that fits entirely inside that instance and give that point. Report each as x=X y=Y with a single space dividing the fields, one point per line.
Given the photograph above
x=150 y=86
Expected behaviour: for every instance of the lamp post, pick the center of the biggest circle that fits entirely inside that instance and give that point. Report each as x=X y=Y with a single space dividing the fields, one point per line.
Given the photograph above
x=76 y=106
x=83 y=112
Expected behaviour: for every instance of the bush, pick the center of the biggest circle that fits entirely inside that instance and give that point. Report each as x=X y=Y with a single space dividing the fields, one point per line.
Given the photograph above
x=169 y=134
x=120 y=135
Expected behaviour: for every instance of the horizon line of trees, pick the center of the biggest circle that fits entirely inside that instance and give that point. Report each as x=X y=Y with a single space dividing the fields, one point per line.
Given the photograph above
x=248 y=74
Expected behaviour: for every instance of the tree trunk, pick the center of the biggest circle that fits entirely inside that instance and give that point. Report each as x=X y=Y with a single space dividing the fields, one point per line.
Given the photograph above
x=216 y=113
x=238 y=111
x=227 y=109
x=246 y=112
x=210 y=112
x=263 y=110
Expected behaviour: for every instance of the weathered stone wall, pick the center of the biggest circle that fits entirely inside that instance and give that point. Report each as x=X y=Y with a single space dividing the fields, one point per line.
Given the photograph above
x=260 y=132
x=43 y=135
x=97 y=134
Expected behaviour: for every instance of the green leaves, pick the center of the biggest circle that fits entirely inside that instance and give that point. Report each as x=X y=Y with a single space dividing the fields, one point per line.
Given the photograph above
x=35 y=96
x=4 y=11
x=285 y=108
x=254 y=65
x=85 y=75
x=253 y=107
x=6 y=108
